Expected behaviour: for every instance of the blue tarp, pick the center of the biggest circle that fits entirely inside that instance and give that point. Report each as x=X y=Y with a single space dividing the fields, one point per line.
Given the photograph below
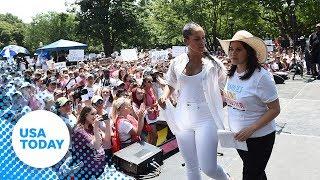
x=62 y=45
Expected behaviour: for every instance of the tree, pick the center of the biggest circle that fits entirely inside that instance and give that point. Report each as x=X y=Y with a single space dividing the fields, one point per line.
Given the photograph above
x=12 y=30
x=50 y=27
x=114 y=23
x=167 y=19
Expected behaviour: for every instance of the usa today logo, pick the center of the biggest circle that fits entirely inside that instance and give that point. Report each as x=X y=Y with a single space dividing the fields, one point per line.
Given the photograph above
x=40 y=139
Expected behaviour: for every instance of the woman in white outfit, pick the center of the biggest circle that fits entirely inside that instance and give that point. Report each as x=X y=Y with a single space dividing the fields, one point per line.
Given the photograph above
x=199 y=107
x=252 y=100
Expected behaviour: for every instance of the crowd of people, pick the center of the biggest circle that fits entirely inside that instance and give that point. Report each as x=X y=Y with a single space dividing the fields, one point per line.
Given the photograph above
x=106 y=104
x=109 y=104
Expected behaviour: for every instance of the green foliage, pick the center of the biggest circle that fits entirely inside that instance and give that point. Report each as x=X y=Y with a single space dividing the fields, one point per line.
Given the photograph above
x=114 y=23
x=108 y=25
x=12 y=30
x=49 y=27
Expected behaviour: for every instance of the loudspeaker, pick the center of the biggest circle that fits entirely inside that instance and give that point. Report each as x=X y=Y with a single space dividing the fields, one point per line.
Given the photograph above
x=137 y=158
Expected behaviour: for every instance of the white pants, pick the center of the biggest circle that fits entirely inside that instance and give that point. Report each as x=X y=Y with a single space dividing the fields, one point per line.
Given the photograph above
x=198 y=143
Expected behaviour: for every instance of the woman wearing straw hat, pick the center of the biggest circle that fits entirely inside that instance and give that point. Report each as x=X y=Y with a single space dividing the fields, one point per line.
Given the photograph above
x=252 y=100
x=198 y=113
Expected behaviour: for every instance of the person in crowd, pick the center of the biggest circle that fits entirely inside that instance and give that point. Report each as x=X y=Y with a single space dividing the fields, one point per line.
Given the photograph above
x=152 y=107
x=105 y=93
x=87 y=140
x=315 y=51
x=138 y=101
x=19 y=107
x=199 y=105
x=105 y=78
x=51 y=86
x=121 y=73
x=252 y=100
x=127 y=128
x=86 y=98
x=64 y=110
x=39 y=84
x=29 y=93
x=106 y=125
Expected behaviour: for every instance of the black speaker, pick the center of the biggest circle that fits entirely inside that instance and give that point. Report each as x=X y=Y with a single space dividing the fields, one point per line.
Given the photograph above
x=137 y=159
x=278 y=79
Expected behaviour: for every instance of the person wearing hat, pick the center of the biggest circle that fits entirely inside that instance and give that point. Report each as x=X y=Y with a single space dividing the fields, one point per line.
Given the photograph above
x=105 y=125
x=19 y=107
x=51 y=86
x=315 y=51
x=29 y=93
x=252 y=100
x=199 y=110
x=64 y=110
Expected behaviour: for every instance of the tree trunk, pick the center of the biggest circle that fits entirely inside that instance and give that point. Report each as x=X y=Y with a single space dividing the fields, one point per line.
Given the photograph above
x=107 y=47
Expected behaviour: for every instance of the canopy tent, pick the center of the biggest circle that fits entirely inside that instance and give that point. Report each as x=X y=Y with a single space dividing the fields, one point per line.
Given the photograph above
x=12 y=50
x=62 y=45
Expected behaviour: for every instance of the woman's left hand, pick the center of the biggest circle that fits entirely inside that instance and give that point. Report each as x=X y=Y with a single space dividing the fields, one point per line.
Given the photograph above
x=245 y=133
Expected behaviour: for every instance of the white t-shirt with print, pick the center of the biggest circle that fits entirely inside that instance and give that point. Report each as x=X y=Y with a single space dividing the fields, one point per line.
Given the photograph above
x=247 y=100
x=124 y=129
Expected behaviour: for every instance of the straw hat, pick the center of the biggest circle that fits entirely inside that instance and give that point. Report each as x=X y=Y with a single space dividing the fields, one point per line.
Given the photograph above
x=256 y=43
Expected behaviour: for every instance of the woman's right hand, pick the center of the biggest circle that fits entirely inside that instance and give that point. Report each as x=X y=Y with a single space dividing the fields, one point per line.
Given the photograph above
x=162 y=102
x=142 y=108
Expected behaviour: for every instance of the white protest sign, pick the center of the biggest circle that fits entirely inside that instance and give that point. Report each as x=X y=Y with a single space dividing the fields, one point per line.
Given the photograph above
x=75 y=55
x=60 y=65
x=157 y=56
x=129 y=54
x=50 y=64
x=92 y=56
x=177 y=50
x=269 y=45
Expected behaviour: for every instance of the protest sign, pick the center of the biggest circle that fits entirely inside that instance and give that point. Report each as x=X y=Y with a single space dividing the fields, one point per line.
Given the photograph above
x=129 y=54
x=157 y=56
x=269 y=45
x=177 y=50
x=60 y=65
x=75 y=55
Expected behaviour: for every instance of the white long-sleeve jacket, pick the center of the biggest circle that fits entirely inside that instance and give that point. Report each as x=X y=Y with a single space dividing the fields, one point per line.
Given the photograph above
x=213 y=81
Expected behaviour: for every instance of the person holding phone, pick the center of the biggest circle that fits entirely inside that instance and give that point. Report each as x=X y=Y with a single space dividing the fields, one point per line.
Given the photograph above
x=88 y=137
x=105 y=125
